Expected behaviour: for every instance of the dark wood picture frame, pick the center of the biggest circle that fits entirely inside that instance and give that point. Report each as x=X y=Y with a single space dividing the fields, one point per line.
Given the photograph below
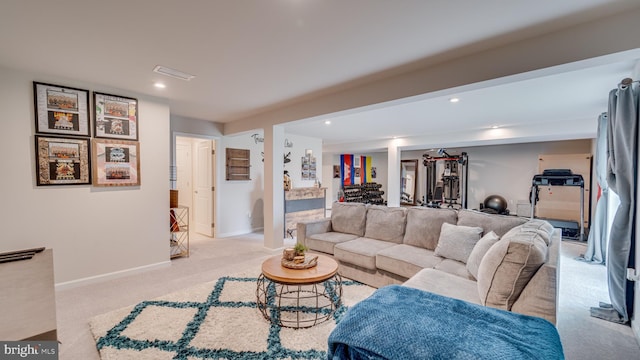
x=115 y=117
x=115 y=163
x=238 y=164
x=61 y=110
x=62 y=161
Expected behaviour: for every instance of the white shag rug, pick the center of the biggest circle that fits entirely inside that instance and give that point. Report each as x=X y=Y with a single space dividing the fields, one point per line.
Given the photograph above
x=215 y=320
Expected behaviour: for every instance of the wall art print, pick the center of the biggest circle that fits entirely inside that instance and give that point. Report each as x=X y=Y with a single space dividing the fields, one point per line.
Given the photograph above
x=308 y=166
x=62 y=161
x=61 y=110
x=116 y=163
x=116 y=117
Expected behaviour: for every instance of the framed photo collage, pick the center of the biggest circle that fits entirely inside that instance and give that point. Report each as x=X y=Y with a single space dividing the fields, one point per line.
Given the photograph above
x=65 y=152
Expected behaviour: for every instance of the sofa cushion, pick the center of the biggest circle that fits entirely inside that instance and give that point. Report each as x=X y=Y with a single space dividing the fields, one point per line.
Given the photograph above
x=326 y=241
x=423 y=226
x=361 y=251
x=500 y=224
x=481 y=248
x=454 y=267
x=442 y=283
x=385 y=223
x=456 y=242
x=348 y=218
x=508 y=266
x=406 y=260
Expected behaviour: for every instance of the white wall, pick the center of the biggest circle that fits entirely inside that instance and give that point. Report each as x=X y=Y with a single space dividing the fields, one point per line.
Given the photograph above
x=300 y=145
x=92 y=231
x=241 y=203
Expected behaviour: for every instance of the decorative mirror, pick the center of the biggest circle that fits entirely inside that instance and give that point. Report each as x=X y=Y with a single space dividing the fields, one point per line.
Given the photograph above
x=408 y=181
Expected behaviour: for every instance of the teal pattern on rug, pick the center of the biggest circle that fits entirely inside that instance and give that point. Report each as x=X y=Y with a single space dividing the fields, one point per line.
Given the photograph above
x=182 y=347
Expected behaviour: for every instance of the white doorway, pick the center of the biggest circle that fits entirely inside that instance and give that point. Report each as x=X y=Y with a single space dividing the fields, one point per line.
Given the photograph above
x=195 y=168
x=184 y=172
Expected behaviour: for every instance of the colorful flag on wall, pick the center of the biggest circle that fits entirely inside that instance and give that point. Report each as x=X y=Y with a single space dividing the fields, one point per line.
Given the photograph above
x=365 y=163
x=346 y=165
x=355 y=169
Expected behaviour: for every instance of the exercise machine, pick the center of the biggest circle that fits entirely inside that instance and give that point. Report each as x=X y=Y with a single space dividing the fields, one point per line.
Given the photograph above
x=558 y=177
x=446 y=179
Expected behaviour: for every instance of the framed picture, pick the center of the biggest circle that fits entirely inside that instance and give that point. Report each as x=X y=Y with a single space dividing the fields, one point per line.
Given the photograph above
x=62 y=161
x=116 y=117
x=61 y=110
x=116 y=163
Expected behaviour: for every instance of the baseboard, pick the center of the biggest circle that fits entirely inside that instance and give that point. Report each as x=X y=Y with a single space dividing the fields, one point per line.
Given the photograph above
x=109 y=276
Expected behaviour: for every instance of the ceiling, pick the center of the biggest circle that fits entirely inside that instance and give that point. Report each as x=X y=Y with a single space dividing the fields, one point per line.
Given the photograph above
x=254 y=56
x=570 y=97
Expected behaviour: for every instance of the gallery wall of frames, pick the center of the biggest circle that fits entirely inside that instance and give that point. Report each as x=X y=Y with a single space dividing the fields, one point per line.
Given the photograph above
x=70 y=151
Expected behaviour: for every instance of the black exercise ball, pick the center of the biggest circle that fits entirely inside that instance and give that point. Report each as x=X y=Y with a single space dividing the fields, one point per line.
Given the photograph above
x=496 y=202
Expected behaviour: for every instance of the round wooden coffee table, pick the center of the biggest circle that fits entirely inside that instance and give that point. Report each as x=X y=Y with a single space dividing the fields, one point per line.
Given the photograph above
x=299 y=298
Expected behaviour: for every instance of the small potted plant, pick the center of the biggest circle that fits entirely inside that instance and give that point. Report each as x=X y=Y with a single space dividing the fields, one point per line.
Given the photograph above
x=300 y=248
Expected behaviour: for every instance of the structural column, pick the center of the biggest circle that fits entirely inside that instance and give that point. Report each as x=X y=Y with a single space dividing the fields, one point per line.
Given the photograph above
x=393 y=173
x=273 y=187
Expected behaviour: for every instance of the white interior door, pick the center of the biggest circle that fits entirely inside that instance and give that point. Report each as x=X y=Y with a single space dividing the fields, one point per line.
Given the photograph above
x=184 y=172
x=203 y=188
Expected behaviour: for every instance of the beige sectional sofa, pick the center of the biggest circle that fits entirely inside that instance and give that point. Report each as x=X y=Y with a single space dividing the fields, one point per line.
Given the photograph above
x=500 y=261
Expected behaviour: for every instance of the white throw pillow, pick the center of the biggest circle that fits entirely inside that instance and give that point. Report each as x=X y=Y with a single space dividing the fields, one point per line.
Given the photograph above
x=481 y=248
x=456 y=242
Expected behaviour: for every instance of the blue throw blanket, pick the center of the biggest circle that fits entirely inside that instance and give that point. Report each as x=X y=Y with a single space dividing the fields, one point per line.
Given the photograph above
x=399 y=322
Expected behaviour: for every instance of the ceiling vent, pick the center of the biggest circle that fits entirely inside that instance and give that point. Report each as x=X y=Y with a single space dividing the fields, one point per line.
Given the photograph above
x=173 y=73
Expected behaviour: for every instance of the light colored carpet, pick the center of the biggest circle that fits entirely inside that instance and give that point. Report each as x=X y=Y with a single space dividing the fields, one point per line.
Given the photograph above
x=217 y=319
x=583 y=285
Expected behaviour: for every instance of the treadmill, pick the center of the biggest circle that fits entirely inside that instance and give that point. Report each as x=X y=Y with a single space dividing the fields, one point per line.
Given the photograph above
x=558 y=177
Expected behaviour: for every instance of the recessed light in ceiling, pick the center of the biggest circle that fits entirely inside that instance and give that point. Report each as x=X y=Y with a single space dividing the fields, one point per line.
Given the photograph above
x=495 y=126
x=454 y=100
x=327 y=122
x=160 y=85
x=173 y=73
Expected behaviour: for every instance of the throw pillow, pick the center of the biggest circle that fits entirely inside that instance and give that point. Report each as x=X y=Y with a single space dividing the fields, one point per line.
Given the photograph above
x=508 y=266
x=481 y=248
x=456 y=242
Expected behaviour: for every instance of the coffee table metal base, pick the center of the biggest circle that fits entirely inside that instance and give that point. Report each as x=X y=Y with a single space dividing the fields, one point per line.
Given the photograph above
x=298 y=306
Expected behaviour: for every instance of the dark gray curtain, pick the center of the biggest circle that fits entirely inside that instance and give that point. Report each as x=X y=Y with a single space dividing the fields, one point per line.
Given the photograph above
x=599 y=232
x=622 y=141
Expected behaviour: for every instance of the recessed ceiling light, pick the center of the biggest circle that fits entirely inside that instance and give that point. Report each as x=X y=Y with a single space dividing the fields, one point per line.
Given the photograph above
x=173 y=73
x=454 y=100
x=160 y=85
x=327 y=122
x=495 y=126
